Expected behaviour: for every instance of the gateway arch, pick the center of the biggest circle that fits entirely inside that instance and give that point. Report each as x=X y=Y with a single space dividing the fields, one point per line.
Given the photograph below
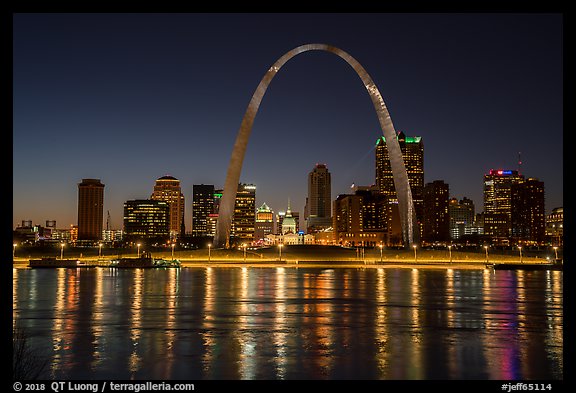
x=404 y=194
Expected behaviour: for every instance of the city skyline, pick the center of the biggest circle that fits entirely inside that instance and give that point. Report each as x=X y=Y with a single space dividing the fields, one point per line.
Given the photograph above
x=157 y=100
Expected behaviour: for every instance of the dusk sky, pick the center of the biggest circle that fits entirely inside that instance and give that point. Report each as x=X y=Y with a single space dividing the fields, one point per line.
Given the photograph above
x=128 y=98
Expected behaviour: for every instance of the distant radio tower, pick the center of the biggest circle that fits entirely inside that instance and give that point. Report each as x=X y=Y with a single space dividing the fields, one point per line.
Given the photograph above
x=519 y=162
x=107 y=220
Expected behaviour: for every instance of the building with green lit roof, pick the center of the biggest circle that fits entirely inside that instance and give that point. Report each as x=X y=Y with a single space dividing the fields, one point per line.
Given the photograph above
x=412 y=148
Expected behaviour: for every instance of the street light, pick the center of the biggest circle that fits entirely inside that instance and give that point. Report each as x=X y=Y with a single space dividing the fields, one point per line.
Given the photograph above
x=61 y=251
x=173 y=244
x=520 y=249
x=381 y=246
x=138 y=249
x=209 y=247
x=415 y=256
x=244 y=246
x=14 y=251
x=486 y=248
x=450 y=251
x=280 y=251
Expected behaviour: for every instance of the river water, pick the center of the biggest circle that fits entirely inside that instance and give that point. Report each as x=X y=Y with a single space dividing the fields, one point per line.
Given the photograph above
x=293 y=323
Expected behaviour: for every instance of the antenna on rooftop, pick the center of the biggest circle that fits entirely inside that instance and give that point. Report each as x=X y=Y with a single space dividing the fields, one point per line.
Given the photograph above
x=519 y=162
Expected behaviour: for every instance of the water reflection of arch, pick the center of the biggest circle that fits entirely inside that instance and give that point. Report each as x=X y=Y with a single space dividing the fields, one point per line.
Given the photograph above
x=404 y=194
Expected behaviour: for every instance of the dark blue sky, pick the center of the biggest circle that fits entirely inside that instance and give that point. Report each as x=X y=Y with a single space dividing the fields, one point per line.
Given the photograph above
x=128 y=98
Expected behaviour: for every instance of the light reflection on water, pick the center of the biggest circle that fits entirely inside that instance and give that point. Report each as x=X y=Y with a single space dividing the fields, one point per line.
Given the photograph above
x=286 y=323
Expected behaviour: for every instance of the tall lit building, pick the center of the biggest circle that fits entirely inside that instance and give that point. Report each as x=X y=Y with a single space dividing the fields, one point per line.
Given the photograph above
x=202 y=208
x=412 y=148
x=73 y=233
x=211 y=223
x=498 y=203
x=279 y=221
x=555 y=226
x=436 y=218
x=212 y=219
x=462 y=214
x=264 y=222
x=90 y=209
x=528 y=221
x=146 y=219
x=167 y=189
x=244 y=219
x=318 y=210
x=361 y=219
x=217 y=199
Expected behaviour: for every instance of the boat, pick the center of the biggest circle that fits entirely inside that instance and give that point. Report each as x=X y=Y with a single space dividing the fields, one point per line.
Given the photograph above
x=166 y=263
x=53 y=262
x=144 y=261
x=132 y=262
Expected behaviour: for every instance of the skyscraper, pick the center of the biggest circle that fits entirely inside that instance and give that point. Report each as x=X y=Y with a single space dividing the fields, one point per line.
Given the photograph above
x=412 y=148
x=167 y=189
x=318 y=210
x=212 y=219
x=436 y=217
x=202 y=207
x=244 y=219
x=498 y=203
x=90 y=209
x=264 y=222
x=528 y=222
x=361 y=219
x=555 y=226
x=462 y=216
x=279 y=221
x=146 y=220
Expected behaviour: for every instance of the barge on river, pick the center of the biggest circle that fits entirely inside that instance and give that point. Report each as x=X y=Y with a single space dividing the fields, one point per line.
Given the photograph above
x=144 y=261
x=54 y=262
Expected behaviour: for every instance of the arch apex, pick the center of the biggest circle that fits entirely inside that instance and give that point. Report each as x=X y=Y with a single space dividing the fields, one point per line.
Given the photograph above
x=405 y=203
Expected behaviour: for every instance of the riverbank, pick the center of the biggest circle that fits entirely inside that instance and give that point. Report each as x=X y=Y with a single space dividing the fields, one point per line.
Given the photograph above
x=366 y=264
x=314 y=256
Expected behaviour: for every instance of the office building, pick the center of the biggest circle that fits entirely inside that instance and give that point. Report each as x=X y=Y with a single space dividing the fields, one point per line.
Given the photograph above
x=146 y=219
x=244 y=219
x=279 y=221
x=361 y=219
x=528 y=221
x=555 y=227
x=90 y=209
x=212 y=218
x=202 y=208
x=436 y=217
x=412 y=148
x=462 y=214
x=498 y=203
x=318 y=210
x=264 y=222
x=167 y=189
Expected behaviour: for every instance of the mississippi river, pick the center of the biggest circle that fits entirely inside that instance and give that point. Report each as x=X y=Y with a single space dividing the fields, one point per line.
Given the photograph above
x=292 y=323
